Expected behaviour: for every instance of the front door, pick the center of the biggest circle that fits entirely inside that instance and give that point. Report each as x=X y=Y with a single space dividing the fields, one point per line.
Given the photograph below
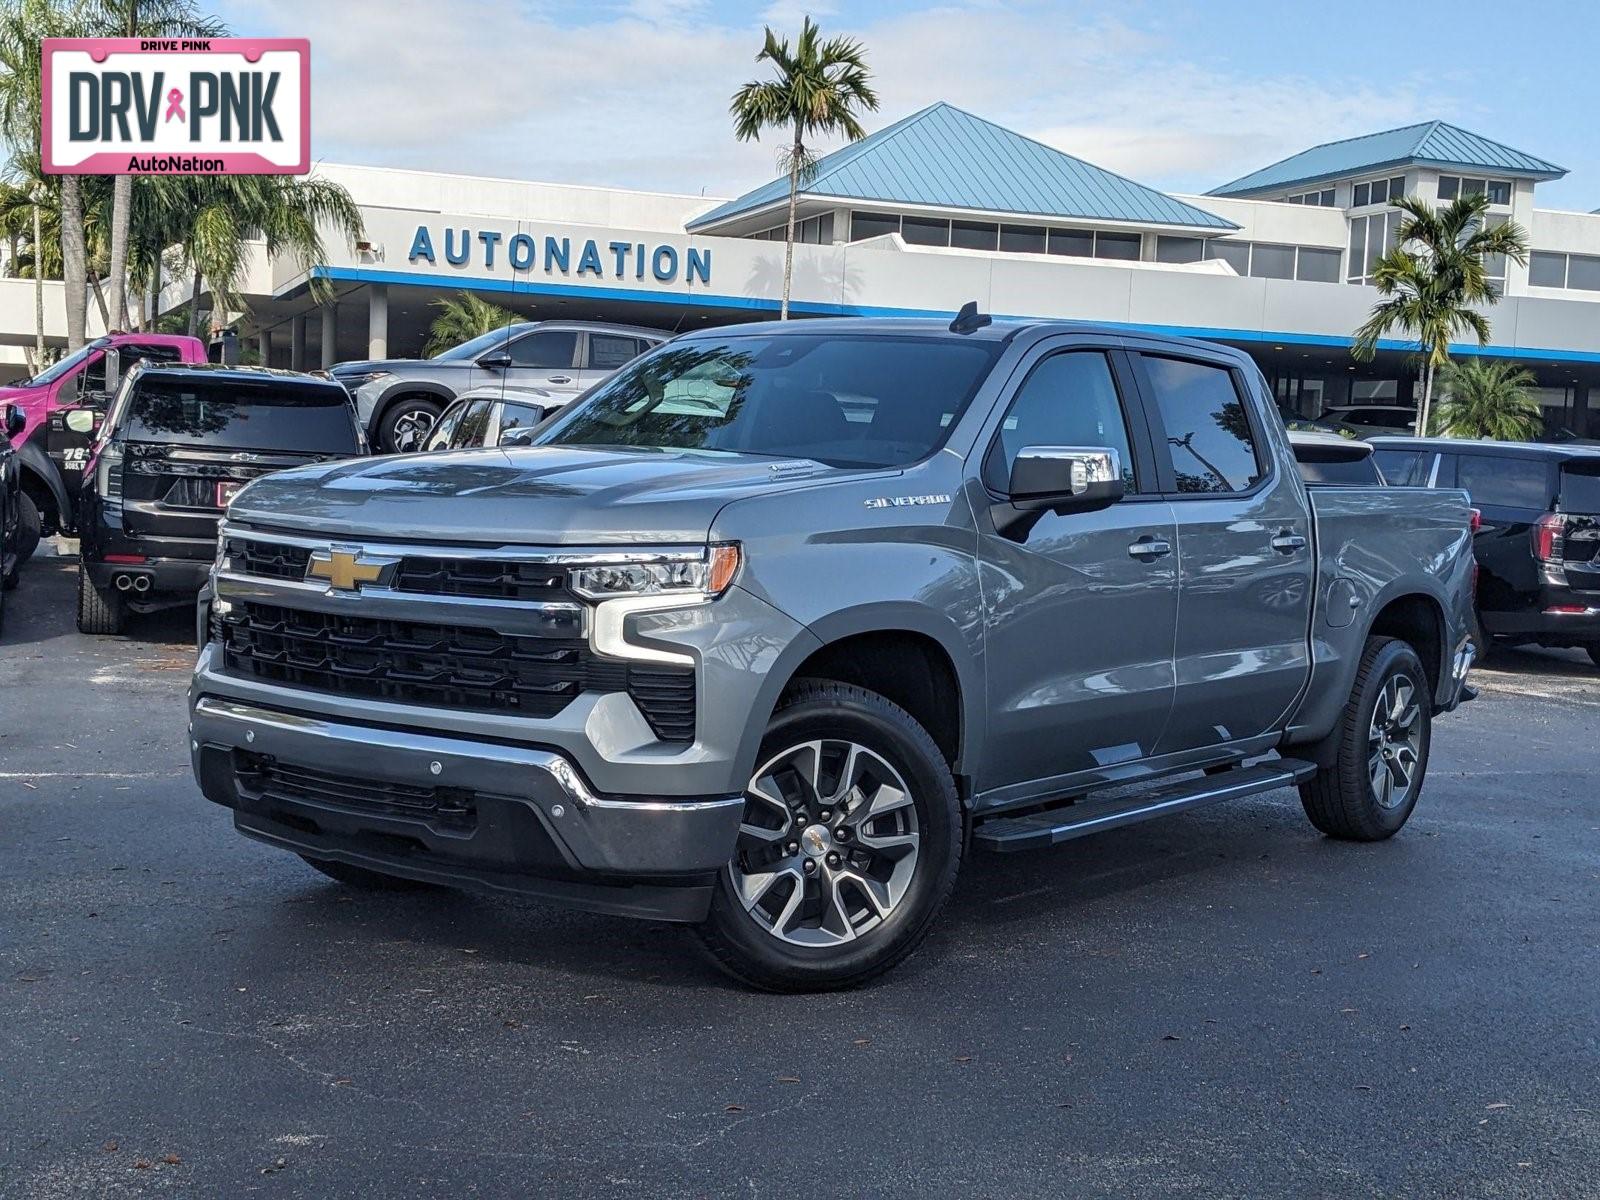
x=545 y=358
x=1079 y=612
x=1244 y=552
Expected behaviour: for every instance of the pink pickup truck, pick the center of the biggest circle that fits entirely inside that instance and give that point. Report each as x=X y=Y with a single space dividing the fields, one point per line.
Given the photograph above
x=49 y=452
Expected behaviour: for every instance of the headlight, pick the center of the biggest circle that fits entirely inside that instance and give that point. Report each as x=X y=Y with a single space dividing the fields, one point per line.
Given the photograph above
x=646 y=574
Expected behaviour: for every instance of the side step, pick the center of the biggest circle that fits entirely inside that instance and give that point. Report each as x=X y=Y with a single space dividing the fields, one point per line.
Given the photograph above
x=1037 y=830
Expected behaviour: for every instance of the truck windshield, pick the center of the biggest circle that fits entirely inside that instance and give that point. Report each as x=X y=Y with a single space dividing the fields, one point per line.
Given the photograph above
x=249 y=416
x=845 y=401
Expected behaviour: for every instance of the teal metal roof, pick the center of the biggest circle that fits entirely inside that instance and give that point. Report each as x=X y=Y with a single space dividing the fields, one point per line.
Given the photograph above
x=944 y=157
x=1433 y=143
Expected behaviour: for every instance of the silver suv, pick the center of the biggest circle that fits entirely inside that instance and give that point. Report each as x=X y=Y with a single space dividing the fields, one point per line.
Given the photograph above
x=399 y=400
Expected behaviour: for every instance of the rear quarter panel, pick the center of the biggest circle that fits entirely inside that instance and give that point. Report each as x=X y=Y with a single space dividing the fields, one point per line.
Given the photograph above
x=1376 y=545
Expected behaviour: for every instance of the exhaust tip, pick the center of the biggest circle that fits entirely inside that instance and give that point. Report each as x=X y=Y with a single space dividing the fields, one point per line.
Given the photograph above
x=141 y=583
x=124 y=582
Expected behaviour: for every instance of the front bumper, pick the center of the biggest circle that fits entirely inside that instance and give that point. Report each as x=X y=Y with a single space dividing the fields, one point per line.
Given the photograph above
x=470 y=814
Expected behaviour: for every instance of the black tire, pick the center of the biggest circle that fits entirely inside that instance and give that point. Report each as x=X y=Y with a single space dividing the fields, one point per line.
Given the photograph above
x=99 y=610
x=1482 y=640
x=821 y=710
x=1343 y=801
x=1594 y=652
x=393 y=427
x=360 y=877
x=29 y=526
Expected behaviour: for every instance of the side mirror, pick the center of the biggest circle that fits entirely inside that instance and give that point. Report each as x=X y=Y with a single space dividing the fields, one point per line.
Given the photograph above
x=81 y=420
x=522 y=435
x=16 y=421
x=1059 y=479
x=496 y=361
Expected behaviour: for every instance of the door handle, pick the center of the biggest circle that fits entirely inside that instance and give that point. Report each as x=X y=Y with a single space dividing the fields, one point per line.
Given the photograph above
x=559 y=379
x=1287 y=543
x=1148 y=548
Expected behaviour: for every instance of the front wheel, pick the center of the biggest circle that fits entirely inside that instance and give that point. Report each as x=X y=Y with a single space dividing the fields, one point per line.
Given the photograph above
x=30 y=527
x=849 y=848
x=407 y=424
x=1370 y=790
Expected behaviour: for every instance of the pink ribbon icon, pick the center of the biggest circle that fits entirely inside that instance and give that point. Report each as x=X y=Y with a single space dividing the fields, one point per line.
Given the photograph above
x=175 y=105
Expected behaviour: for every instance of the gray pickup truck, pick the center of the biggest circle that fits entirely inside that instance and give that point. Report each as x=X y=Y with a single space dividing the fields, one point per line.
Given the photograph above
x=768 y=631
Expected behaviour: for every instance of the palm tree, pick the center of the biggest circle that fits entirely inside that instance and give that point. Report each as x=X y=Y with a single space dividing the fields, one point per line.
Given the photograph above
x=1434 y=276
x=1489 y=399
x=212 y=219
x=819 y=90
x=462 y=318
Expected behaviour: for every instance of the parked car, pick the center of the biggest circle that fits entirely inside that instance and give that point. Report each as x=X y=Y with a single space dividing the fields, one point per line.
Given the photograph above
x=1335 y=461
x=1369 y=420
x=1538 y=546
x=83 y=378
x=492 y=416
x=11 y=530
x=176 y=446
x=400 y=399
x=765 y=631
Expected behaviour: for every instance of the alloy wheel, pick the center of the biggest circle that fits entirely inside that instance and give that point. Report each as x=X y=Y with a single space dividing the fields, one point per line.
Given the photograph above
x=412 y=427
x=829 y=843
x=1394 y=742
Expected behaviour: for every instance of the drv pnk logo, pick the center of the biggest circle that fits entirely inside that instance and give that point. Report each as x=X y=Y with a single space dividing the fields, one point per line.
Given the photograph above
x=209 y=106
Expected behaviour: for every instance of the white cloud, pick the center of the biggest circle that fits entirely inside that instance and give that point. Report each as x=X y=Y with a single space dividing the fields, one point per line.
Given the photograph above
x=637 y=94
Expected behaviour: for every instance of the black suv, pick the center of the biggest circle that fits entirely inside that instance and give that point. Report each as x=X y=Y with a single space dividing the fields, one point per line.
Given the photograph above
x=11 y=533
x=177 y=443
x=1538 y=546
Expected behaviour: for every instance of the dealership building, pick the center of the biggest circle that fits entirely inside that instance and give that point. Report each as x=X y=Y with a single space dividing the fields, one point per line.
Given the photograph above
x=943 y=207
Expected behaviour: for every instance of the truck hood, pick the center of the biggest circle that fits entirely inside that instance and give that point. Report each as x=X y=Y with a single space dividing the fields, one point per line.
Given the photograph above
x=539 y=495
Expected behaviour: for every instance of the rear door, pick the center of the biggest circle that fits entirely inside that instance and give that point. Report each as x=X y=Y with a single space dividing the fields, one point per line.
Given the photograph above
x=1578 y=501
x=1511 y=492
x=545 y=358
x=1246 y=571
x=189 y=444
x=1080 y=611
x=606 y=352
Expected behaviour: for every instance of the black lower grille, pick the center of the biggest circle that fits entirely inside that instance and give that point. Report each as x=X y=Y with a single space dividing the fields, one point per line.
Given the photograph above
x=442 y=666
x=455 y=808
x=273 y=560
x=492 y=579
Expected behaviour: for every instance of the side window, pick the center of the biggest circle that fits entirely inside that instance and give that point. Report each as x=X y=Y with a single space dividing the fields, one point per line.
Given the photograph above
x=1069 y=399
x=1207 y=427
x=134 y=352
x=474 y=424
x=553 y=348
x=1404 y=468
x=608 y=351
x=1506 y=482
x=519 y=416
x=439 y=436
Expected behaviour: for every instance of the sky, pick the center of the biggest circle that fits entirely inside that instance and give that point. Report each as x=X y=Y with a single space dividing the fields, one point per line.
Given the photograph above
x=1184 y=97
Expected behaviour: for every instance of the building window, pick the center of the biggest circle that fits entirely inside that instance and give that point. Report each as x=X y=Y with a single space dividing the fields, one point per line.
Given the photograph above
x=1179 y=249
x=925 y=231
x=1321 y=199
x=1498 y=190
x=864 y=225
x=1235 y=254
x=1123 y=246
x=1370 y=239
x=1377 y=191
x=974 y=235
x=1547 y=270
x=1022 y=239
x=1076 y=242
x=1316 y=265
x=1271 y=262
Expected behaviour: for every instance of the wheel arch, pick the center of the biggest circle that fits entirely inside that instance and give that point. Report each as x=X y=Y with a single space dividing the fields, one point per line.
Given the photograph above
x=404 y=390
x=41 y=479
x=1416 y=618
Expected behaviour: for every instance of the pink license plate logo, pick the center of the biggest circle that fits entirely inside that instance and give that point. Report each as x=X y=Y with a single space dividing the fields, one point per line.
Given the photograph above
x=172 y=106
x=226 y=491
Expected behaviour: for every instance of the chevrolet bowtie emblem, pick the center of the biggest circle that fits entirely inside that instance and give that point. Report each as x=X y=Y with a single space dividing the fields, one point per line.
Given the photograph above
x=346 y=569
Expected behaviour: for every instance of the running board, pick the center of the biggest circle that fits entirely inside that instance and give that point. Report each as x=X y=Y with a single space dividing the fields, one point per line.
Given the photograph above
x=1038 y=830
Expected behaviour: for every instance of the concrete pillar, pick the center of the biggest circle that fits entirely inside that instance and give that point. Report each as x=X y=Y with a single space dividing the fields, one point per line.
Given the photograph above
x=297 y=343
x=378 y=321
x=330 y=335
x=266 y=347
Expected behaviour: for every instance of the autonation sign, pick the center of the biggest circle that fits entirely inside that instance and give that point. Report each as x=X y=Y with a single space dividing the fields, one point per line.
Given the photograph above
x=171 y=106
x=490 y=250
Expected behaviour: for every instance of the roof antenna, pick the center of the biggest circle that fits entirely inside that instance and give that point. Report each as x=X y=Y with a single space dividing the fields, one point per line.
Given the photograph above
x=969 y=319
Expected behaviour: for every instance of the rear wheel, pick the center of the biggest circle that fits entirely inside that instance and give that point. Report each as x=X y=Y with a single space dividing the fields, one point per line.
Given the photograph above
x=360 y=877
x=407 y=424
x=850 y=845
x=100 y=610
x=1369 y=792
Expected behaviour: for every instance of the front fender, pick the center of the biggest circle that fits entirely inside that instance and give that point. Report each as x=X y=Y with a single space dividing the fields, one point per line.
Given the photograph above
x=39 y=467
x=372 y=402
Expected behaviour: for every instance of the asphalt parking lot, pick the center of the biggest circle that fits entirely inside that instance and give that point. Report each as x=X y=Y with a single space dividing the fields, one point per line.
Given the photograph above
x=1222 y=1004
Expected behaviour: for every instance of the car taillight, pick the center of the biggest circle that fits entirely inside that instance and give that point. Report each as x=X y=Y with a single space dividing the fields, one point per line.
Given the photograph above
x=108 y=474
x=1477 y=519
x=1547 y=537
